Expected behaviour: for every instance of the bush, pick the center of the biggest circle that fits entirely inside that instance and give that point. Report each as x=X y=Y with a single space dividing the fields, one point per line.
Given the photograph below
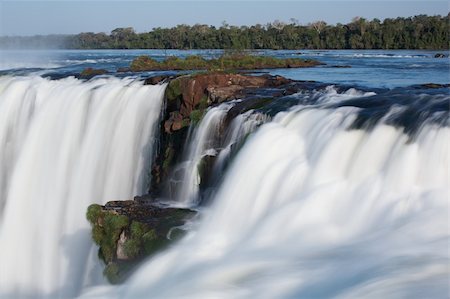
x=93 y=213
x=196 y=116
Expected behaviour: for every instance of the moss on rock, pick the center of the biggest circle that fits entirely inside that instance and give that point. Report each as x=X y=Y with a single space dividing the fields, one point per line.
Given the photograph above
x=89 y=72
x=106 y=229
x=128 y=231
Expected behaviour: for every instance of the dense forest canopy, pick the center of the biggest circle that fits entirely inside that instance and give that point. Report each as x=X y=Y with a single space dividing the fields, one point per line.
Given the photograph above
x=418 y=32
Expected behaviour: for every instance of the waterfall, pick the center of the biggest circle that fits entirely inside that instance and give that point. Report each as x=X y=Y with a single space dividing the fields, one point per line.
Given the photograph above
x=64 y=145
x=316 y=207
x=202 y=142
x=211 y=138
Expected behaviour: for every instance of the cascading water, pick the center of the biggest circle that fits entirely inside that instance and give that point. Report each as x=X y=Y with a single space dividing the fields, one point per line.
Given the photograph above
x=64 y=145
x=211 y=138
x=204 y=141
x=317 y=205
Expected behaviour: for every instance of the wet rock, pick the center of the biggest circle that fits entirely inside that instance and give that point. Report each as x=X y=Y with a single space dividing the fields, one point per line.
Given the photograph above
x=159 y=79
x=340 y=66
x=433 y=86
x=248 y=104
x=187 y=98
x=440 y=55
x=128 y=231
x=175 y=122
x=89 y=73
x=123 y=70
x=221 y=94
x=188 y=93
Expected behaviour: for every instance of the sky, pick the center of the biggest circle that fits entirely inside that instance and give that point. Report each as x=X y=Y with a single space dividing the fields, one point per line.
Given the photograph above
x=19 y=17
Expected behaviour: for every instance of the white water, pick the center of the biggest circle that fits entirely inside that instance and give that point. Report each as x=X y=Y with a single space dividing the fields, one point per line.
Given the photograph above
x=204 y=141
x=312 y=210
x=210 y=138
x=64 y=145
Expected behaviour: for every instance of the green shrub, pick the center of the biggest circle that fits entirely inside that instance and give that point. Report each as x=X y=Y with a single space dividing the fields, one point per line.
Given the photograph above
x=196 y=116
x=93 y=212
x=173 y=90
x=132 y=248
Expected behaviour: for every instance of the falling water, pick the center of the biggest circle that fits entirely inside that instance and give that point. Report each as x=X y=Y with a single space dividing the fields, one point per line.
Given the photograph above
x=314 y=207
x=203 y=142
x=211 y=138
x=64 y=145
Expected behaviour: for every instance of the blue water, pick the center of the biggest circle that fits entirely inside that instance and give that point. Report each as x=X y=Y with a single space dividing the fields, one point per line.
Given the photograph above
x=368 y=68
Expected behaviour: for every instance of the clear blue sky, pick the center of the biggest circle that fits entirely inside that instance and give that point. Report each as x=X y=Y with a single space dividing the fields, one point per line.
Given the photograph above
x=44 y=17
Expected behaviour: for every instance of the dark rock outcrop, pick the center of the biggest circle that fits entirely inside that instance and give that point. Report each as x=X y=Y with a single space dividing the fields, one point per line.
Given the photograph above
x=89 y=73
x=159 y=79
x=187 y=98
x=188 y=93
x=440 y=55
x=432 y=86
x=340 y=66
x=128 y=231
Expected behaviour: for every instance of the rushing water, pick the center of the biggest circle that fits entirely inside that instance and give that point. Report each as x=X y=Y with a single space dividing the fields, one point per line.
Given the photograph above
x=338 y=191
x=314 y=208
x=212 y=139
x=64 y=145
x=374 y=68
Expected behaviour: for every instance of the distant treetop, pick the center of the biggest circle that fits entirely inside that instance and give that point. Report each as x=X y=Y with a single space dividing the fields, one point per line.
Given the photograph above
x=418 y=32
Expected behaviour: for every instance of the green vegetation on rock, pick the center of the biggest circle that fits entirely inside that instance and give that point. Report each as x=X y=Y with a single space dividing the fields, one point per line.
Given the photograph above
x=126 y=232
x=89 y=72
x=106 y=230
x=196 y=116
x=238 y=61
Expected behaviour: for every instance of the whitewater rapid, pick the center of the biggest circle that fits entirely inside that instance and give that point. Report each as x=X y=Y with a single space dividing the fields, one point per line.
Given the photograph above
x=65 y=144
x=314 y=208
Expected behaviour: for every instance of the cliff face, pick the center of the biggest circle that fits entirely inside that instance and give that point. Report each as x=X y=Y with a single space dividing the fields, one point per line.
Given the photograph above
x=187 y=98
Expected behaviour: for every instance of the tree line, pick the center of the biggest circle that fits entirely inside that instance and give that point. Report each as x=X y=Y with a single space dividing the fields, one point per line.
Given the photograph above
x=418 y=32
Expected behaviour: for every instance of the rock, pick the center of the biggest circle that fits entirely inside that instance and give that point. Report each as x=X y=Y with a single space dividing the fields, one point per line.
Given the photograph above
x=248 y=104
x=205 y=167
x=188 y=97
x=433 y=85
x=221 y=94
x=120 y=252
x=187 y=93
x=123 y=70
x=159 y=79
x=440 y=55
x=175 y=122
x=89 y=72
x=128 y=231
x=340 y=66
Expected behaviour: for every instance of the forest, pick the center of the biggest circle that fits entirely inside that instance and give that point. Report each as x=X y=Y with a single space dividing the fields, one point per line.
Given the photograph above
x=418 y=32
